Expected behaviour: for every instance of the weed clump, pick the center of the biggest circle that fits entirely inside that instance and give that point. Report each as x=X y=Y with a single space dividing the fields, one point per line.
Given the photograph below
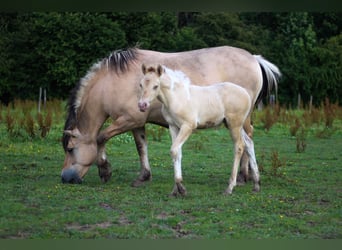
x=329 y=113
x=301 y=140
x=44 y=124
x=277 y=164
x=269 y=118
x=29 y=125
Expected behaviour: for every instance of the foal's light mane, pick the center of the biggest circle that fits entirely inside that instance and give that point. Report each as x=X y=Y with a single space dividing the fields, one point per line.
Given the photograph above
x=178 y=77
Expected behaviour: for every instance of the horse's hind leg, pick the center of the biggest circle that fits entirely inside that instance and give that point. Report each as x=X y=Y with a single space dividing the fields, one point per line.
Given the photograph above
x=141 y=144
x=252 y=159
x=243 y=175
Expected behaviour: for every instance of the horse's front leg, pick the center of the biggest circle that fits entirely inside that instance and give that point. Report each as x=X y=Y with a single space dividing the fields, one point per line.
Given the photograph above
x=179 y=136
x=104 y=167
x=120 y=125
x=141 y=144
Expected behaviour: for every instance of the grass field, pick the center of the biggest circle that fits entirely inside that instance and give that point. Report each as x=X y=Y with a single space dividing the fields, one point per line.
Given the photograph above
x=300 y=198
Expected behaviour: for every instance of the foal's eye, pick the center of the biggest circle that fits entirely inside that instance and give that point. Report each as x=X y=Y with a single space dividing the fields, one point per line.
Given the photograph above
x=140 y=85
x=155 y=87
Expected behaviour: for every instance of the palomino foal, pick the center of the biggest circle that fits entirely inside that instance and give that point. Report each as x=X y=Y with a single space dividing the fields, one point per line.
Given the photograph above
x=187 y=107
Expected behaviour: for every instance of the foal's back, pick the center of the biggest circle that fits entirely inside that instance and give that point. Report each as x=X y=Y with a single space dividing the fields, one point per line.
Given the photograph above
x=221 y=96
x=209 y=106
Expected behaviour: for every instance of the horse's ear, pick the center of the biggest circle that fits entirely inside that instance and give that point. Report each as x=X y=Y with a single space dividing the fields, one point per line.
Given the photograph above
x=143 y=68
x=160 y=70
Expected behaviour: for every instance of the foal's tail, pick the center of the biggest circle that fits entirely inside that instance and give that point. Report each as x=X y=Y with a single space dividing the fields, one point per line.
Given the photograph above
x=270 y=77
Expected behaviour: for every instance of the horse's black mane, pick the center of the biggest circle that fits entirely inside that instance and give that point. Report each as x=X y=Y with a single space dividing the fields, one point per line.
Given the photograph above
x=118 y=61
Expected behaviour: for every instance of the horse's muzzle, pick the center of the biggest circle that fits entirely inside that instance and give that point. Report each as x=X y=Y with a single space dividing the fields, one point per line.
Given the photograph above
x=70 y=176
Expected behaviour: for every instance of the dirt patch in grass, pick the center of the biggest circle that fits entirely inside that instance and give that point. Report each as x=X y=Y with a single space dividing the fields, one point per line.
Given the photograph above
x=88 y=227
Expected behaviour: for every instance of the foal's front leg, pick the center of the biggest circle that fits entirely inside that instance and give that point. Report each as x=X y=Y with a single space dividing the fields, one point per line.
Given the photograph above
x=179 y=136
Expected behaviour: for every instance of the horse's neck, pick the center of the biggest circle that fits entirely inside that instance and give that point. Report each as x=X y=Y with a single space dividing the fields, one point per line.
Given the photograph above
x=88 y=124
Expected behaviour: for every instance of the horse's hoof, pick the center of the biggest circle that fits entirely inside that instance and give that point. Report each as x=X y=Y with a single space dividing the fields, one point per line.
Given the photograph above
x=241 y=179
x=105 y=172
x=106 y=178
x=144 y=176
x=137 y=183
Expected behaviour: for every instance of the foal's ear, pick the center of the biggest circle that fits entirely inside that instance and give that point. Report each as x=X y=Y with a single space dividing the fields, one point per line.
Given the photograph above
x=143 y=68
x=160 y=70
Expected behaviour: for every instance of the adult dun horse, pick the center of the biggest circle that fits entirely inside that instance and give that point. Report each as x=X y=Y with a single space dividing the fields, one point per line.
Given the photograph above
x=187 y=107
x=110 y=87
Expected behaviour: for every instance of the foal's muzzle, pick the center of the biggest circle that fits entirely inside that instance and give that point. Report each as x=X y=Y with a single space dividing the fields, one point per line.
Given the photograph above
x=70 y=176
x=143 y=106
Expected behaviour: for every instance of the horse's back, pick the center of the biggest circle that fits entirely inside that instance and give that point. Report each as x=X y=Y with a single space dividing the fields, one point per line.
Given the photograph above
x=209 y=65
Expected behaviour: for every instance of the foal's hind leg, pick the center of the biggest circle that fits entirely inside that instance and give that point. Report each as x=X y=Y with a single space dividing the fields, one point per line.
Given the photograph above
x=238 y=151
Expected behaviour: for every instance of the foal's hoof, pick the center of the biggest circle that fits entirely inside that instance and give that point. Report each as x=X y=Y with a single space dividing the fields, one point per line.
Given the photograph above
x=256 y=188
x=178 y=190
x=105 y=172
x=227 y=193
x=229 y=190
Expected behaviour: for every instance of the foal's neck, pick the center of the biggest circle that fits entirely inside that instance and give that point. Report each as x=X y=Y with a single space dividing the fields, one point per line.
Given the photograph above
x=171 y=92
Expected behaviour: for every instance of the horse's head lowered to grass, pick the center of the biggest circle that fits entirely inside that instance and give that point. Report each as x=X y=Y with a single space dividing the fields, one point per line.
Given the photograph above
x=86 y=115
x=80 y=153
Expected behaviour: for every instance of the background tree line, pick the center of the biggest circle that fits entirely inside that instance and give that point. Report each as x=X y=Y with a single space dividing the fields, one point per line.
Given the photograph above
x=53 y=50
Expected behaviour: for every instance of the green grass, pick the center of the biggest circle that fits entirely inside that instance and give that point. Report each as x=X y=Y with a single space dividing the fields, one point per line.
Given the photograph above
x=303 y=200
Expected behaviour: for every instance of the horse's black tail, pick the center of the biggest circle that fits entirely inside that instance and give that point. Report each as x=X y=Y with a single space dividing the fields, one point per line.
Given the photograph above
x=270 y=77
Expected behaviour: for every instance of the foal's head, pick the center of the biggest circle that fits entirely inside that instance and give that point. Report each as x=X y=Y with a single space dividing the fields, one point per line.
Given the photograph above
x=149 y=87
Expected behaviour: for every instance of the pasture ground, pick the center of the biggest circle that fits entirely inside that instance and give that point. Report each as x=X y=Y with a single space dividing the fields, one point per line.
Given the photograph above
x=300 y=198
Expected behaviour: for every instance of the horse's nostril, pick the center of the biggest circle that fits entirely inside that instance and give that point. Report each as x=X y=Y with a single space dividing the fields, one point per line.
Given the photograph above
x=70 y=176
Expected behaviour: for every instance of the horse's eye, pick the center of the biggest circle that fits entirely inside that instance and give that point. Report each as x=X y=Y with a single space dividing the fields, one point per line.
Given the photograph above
x=155 y=87
x=70 y=150
x=140 y=85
